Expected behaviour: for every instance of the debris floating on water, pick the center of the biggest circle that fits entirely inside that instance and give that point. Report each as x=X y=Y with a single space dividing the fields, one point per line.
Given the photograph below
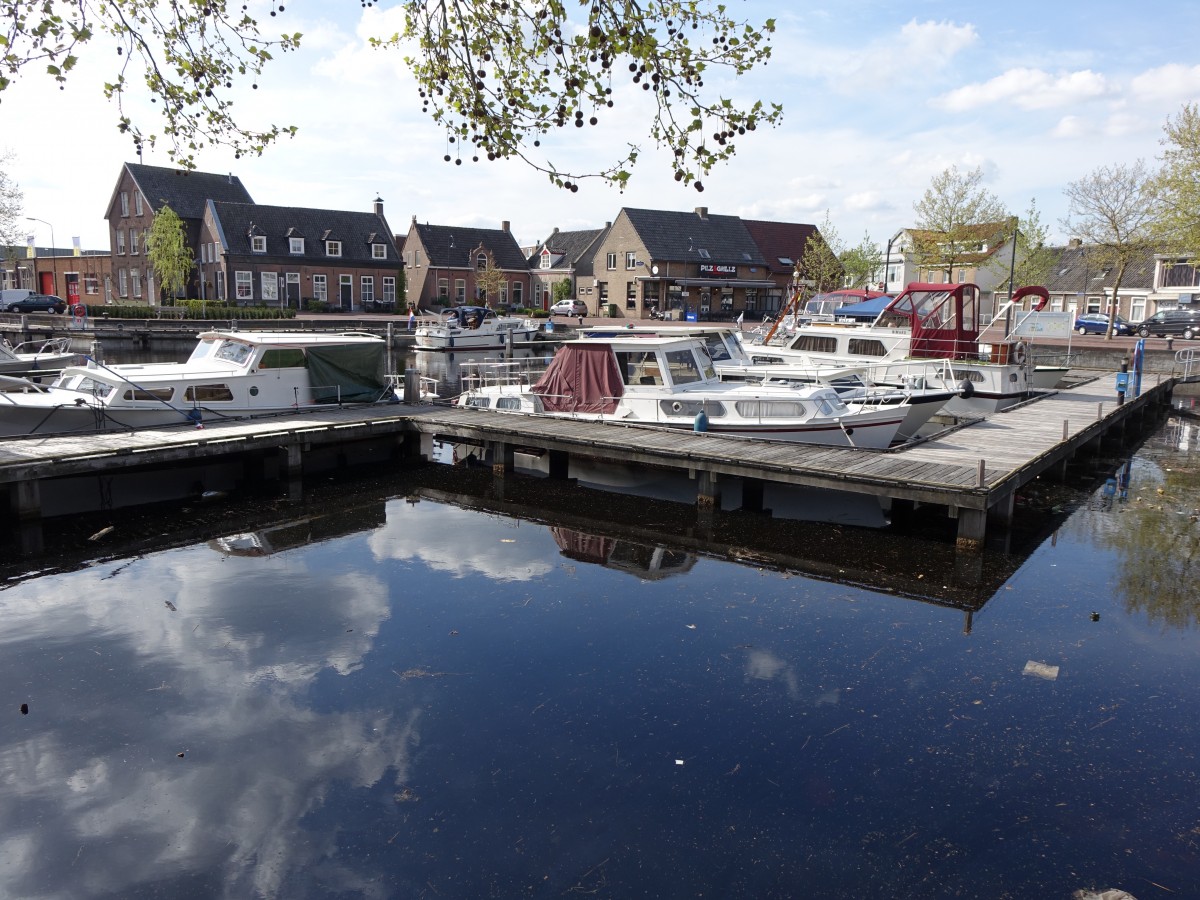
x=101 y=533
x=1041 y=670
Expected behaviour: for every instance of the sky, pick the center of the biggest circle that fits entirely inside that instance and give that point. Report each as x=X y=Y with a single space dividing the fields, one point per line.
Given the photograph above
x=878 y=98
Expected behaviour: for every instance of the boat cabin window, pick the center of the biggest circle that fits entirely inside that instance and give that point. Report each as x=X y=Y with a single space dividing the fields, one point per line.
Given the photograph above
x=155 y=394
x=639 y=367
x=831 y=405
x=203 y=350
x=865 y=347
x=683 y=368
x=481 y=402
x=691 y=408
x=772 y=409
x=969 y=374
x=207 y=393
x=759 y=360
x=815 y=343
x=282 y=358
x=92 y=386
x=717 y=348
x=508 y=403
x=234 y=351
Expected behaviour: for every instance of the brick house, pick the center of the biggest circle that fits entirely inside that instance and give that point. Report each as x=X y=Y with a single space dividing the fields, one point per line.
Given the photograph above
x=440 y=262
x=782 y=245
x=564 y=256
x=294 y=257
x=1080 y=284
x=78 y=276
x=677 y=262
x=140 y=192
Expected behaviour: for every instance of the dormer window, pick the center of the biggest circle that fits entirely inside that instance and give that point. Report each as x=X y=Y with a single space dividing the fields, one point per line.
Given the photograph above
x=379 y=251
x=296 y=246
x=481 y=261
x=333 y=248
x=258 y=243
x=545 y=259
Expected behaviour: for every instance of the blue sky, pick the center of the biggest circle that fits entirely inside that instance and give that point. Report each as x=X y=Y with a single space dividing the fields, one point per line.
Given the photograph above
x=879 y=97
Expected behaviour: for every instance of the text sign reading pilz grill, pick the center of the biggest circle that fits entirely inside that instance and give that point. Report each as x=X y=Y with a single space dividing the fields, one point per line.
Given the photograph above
x=711 y=269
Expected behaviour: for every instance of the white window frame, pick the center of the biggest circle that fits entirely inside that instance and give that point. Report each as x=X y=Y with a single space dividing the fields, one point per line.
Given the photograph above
x=366 y=289
x=124 y=204
x=270 y=285
x=120 y=242
x=630 y=260
x=133 y=242
x=320 y=288
x=258 y=243
x=389 y=288
x=137 y=203
x=546 y=259
x=135 y=276
x=611 y=262
x=296 y=246
x=460 y=290
x=122 y=283
x=243 y=285
x=91 y=284
x=379 y=251
x=333 y=248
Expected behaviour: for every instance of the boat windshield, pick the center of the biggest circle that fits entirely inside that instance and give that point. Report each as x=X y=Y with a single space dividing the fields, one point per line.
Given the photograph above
x=234 y=351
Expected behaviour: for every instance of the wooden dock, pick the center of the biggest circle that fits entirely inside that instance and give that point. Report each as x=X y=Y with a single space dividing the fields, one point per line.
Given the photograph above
x=973 y=471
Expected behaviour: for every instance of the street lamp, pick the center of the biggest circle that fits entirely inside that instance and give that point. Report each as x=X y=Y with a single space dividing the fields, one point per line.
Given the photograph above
x=53 y=252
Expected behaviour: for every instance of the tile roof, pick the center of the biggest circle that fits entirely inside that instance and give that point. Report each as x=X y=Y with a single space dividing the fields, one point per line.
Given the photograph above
x=356 y=230
x=681 y=236
x=1077 y=270
x=451 y=246
x=569 y=244
x=185 y=192
x=780 y=241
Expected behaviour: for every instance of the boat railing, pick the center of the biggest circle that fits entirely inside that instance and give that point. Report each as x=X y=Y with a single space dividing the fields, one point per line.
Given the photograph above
x=476 y=374
x=40 y=346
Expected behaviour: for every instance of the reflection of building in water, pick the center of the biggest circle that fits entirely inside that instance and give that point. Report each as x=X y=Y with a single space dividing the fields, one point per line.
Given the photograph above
x=643 y=560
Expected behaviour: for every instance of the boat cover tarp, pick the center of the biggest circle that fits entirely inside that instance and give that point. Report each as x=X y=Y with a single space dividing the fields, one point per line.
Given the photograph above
x=353 y=373
x=581 y=378
x=868 y=310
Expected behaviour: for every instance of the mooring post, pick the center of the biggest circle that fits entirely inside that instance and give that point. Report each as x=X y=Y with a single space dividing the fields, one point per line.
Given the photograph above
x=26 y=499
x=503 y=458
x=981 y=477
x=412 y=386
x=708 y=490
x=972 y=529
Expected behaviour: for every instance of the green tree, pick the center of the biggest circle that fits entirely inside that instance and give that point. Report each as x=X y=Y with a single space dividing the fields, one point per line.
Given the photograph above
x=1113 y=210
x=497 y=75
x=1034 y=261
x=1177 y=185
x=957 y=219
x=10 y=204
x=819 y=261
x=489 y=279
x=168 y=251
x=862 y=263
x=562 y=289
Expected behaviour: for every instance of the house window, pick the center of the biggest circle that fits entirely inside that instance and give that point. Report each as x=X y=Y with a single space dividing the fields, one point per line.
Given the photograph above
x=137 y=203
x=244 y=284
x=219 y=281
x=379 y=251
x=545 y=259
x=389 y=289
x=120 y=242
x=612 y=262
x=537 y=293
x=133 y=242
x=333 y=248
x=443 y=288
x=631 y=295
x=258 y=243
x=91 y=285
x=366 y=290
x=135 y=275
x=704 y=254
x=630 y=259
x=1137 y=309
x=270 y=285
x=504 y=292
x=320 y=288
x=1179 y=274
x=296 y=246
x=124 y=204
x=460 y=290
x=516 y=293
x=122 y=283
x=481 y=261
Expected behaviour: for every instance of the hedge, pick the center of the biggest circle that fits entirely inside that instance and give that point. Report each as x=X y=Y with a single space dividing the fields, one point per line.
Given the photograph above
x=191 y=309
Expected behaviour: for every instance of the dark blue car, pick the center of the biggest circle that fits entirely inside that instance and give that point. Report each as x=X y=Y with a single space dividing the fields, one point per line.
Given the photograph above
x=1097 y=323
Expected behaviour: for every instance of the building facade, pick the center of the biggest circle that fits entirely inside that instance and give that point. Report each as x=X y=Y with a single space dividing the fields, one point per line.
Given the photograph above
x=565 y=256
x=443 y=265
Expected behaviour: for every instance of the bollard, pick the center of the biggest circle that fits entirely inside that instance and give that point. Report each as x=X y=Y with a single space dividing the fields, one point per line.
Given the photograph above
x=412 y=386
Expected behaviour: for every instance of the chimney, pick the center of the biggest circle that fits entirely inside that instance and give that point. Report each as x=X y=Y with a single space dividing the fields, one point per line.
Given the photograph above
x=1074 y=244
x=702 y=212
x=379 y=207
x=504 y=225
x=414 y=221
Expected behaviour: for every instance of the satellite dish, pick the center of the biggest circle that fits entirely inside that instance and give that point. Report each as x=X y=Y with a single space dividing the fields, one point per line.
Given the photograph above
x=654 y=270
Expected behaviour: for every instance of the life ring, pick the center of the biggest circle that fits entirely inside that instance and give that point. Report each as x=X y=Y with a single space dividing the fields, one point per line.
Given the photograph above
x=1020 y=353
x=79 y=311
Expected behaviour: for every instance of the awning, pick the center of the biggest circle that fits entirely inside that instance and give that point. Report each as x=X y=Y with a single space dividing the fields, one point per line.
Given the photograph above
x=712 y=282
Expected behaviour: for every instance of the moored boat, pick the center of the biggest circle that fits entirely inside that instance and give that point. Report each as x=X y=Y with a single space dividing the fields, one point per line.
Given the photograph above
x=473 y=328
x=230 y=374
x=671 y=382
x=36 y=357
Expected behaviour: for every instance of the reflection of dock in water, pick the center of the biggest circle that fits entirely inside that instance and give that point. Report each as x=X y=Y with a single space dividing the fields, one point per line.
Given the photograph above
x=912 y=568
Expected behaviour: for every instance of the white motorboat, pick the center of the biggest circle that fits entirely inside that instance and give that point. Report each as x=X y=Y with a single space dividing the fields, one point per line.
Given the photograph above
x=36 y=358
x=928 y=335
x=671 y=382
x=230 y=374
x=919 y=403
x=473 y=328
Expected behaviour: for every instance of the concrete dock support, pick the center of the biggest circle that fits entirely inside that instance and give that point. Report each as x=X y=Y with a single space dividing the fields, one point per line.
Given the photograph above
x=708 y=490
x=503 y=458
x=972 y=529
x=560 y=463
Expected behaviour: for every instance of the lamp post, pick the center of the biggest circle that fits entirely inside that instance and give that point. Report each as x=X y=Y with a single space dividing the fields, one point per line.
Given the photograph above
x=887 y=262
x=53 y=252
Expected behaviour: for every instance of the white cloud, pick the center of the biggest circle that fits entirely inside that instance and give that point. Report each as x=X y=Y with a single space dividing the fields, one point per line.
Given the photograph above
x=1174 y=83
x=1027 y=89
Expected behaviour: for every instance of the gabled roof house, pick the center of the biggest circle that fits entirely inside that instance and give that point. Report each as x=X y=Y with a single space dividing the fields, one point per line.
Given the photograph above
x=441 y=262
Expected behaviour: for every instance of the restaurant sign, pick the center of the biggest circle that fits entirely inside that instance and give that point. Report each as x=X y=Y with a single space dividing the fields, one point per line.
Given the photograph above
x=714 y=270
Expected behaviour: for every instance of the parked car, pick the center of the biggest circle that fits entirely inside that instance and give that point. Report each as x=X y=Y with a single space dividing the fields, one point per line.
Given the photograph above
x=1097 y=323
x=569 y=308
x=1185 y=322
x=46 y=303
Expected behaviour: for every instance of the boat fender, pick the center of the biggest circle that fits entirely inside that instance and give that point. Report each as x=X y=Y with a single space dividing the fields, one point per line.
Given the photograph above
x=1020 y=353
x=701 y=424
x=966 y=388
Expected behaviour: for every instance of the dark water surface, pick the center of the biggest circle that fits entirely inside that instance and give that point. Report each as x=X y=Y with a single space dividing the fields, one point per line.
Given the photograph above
x=398 y=690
